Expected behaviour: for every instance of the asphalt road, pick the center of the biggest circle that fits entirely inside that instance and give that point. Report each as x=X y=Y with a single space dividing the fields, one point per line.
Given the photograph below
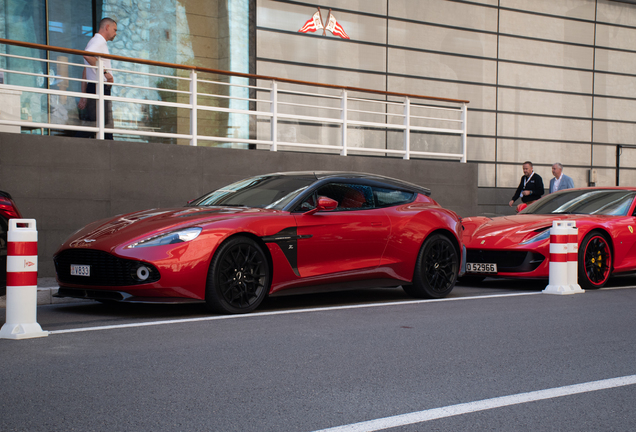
x=499 y=357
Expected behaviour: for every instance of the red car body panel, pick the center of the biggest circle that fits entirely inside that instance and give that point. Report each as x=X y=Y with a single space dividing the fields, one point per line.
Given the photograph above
x=505 y=233
x=399 y=233
x=8 y=210
x=379 y=245
x=183 y=267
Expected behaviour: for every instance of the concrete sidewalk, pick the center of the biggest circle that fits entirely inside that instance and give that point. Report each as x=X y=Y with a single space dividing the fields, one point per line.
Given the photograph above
x=46 y=288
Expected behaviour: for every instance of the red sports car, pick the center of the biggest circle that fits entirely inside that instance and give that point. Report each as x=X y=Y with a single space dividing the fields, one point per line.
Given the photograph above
x=268 y=235
x=519 y=246
x=8 y=210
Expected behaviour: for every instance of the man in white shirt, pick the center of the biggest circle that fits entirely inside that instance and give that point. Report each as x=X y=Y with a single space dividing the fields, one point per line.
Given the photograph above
x=560 y=180
x=107 y=32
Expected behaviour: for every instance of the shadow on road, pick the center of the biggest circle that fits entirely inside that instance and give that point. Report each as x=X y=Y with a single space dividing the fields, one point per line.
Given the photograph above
x=88 y=313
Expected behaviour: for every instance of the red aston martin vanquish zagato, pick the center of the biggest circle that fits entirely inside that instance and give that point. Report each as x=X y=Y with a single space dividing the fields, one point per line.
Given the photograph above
x=267 y=235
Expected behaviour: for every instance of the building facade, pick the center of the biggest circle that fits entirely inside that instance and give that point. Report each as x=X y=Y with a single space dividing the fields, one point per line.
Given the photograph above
x=548 y=81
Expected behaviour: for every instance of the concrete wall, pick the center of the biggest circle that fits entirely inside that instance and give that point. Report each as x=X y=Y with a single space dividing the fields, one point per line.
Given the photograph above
x=65 y=183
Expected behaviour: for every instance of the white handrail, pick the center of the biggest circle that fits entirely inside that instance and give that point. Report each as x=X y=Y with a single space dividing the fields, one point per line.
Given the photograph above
x=302 y=110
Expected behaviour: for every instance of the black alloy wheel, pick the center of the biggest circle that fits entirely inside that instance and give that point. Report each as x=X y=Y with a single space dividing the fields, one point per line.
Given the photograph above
x=436 y=269
x=595 y=261
x=239 y=277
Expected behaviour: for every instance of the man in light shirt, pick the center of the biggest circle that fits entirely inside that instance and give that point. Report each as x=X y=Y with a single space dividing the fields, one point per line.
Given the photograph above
x=560 y=180
x=107 y=32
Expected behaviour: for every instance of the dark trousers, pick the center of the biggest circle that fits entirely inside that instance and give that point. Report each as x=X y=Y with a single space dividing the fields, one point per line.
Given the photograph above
x=90 y=112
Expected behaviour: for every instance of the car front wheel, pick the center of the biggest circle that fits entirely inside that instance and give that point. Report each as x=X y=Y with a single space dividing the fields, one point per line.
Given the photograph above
x=436 y=269
x=238 y=279
x=595 y=261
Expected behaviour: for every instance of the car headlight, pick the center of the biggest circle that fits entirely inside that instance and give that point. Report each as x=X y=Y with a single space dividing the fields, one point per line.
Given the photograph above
x=180 y=236
x=539 y=237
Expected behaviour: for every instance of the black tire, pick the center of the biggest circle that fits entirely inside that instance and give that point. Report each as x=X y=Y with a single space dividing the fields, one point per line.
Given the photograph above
x=595 y=260
x=238 y=278
x=435 y=270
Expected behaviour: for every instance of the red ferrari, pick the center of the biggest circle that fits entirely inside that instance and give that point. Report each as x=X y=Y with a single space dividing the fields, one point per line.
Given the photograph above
x=519 y=246
x=268 y=235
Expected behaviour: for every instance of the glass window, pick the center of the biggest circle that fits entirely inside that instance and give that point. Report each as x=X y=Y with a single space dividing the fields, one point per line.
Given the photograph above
x=70 y=26
x=263 y=191
x=210 y=33
x=593 y=202
x=390 y=197
x=349 y=196
x=24 y=20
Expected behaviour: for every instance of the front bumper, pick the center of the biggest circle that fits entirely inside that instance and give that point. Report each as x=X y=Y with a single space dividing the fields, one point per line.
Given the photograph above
x=119 y=296
x=508 y=261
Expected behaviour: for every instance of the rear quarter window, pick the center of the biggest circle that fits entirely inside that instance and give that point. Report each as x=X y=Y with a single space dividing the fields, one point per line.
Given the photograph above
x=391 y=197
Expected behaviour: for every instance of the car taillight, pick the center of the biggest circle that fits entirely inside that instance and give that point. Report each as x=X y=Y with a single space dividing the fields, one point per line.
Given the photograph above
x=9 y=209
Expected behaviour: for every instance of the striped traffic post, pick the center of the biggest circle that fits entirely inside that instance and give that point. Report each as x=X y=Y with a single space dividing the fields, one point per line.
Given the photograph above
x=573 y=257
x=22 y=281
x=558 y=282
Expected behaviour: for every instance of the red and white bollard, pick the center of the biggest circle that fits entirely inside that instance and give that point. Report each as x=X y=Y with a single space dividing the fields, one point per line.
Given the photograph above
x=22 y=281
x=563 y=259
x=573 y=257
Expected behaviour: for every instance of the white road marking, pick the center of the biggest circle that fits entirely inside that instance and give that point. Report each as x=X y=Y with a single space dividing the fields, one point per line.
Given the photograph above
x=617 y=288
x=284 y=312
x=486 y=404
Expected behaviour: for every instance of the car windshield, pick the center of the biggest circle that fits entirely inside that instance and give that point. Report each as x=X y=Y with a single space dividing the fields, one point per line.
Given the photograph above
x=272 y=192
x=587 y=201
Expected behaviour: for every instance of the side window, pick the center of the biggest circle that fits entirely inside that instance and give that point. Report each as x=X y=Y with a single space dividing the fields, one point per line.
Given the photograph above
x=349 y=196
x=391 y=197
x=355 y=197
x=309 y=203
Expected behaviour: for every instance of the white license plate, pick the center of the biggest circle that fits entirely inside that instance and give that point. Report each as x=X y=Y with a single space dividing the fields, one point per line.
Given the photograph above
x=80 y=270
x=481 y=268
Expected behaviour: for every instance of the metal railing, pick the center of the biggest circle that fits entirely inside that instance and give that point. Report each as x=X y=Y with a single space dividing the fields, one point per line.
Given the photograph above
x=202 y=106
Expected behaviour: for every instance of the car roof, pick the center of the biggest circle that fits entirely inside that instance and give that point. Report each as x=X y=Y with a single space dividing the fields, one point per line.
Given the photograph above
x=351 y=175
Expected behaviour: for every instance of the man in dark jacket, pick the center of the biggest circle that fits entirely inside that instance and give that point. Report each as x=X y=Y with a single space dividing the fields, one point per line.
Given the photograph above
x=530 y=187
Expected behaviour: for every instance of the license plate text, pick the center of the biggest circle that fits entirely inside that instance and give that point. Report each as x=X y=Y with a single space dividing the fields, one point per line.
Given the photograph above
x=80 y=270
x=481 y=268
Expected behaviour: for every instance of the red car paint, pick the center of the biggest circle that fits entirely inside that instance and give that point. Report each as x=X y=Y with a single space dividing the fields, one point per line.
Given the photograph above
x=8 y=210
x=506 y=233
x=305 y=250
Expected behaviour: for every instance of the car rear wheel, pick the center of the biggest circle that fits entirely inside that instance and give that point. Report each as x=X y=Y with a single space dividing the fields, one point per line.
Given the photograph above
x=238 y=279
x=595 y=261
x=436 y=269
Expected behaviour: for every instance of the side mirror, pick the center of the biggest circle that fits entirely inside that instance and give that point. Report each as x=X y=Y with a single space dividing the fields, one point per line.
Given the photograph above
x=324 y=204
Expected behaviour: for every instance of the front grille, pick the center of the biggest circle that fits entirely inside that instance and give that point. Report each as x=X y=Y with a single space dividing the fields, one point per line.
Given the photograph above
x=105 y=270
x=507 y=261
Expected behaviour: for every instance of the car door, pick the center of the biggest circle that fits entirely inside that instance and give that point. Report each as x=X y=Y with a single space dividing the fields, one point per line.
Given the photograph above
x=350 y=238
x=623 y=232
